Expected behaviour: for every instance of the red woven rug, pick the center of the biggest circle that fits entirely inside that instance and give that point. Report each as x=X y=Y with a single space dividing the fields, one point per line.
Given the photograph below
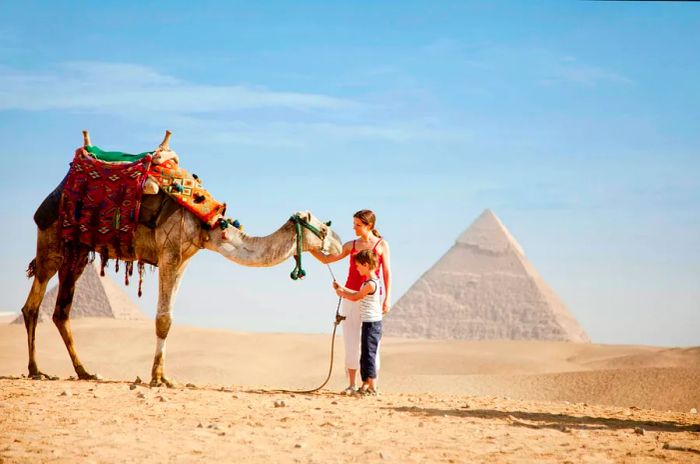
x=101 y=201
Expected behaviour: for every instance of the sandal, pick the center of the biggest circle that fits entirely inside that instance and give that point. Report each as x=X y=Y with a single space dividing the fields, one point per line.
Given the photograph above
x=349 y=391
x=367 y=392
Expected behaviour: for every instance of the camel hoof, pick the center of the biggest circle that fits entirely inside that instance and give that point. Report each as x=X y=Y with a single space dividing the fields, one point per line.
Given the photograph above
x=86 y=376
x=41 y=376
x=163 y=382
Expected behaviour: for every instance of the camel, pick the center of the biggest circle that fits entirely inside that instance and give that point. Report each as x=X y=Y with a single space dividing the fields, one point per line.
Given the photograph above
x=169 y=246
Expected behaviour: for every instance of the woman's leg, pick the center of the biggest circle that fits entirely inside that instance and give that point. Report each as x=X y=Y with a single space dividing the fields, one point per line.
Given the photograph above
x=352 y=328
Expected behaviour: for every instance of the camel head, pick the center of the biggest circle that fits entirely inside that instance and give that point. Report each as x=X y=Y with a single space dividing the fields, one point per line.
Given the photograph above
x=316 y=234
x=272 y=249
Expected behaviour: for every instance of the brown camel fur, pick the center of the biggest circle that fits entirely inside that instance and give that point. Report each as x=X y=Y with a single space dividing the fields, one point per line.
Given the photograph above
x=169 y=245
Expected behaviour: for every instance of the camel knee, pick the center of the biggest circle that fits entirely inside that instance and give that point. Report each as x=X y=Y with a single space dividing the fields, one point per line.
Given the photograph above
x=163 y=322
x=59 y=318
x=30 y=313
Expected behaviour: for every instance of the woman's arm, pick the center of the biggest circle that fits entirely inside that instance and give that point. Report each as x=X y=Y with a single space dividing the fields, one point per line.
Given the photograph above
x=326 y=259
x=386 y=275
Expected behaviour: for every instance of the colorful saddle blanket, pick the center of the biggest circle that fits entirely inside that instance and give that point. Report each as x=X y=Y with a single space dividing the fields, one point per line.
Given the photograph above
x=100 y=202
x=186 y=189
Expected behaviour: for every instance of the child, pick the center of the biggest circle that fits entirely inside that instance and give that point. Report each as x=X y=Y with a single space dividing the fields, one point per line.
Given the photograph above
x=371 y=313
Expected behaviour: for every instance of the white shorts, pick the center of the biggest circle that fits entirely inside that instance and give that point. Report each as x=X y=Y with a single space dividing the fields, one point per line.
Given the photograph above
x=352 y=334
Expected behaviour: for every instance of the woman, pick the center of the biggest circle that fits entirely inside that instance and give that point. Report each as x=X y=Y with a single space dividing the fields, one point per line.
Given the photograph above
x=363 y=223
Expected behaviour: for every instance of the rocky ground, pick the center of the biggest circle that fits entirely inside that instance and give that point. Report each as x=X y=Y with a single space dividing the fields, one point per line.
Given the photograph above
x=68 y=421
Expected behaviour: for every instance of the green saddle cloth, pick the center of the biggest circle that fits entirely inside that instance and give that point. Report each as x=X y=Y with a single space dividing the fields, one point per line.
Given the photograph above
x=113 y=156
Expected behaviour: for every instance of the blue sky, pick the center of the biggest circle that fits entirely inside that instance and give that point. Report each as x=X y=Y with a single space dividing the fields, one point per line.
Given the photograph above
x=575 y=122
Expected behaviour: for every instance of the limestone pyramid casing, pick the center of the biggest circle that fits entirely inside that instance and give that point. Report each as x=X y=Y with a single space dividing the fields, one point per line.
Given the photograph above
x=483 y=288
x=94 y=296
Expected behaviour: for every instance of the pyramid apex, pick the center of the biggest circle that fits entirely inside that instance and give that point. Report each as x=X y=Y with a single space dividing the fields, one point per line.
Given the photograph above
x=488 y=233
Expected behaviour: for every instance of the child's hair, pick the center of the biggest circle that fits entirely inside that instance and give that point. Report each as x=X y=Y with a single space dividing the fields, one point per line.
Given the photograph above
x=368 y=258
x=369 y=219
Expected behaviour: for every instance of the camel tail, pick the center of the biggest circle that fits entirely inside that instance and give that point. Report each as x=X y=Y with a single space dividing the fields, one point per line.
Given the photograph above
x=31 y=269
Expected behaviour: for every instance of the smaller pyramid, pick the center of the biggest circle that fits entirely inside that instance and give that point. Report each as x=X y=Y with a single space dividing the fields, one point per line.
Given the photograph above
x=483 y=288
x=94 y=296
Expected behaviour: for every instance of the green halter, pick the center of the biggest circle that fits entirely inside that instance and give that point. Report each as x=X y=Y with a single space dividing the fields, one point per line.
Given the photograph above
x=299 y=222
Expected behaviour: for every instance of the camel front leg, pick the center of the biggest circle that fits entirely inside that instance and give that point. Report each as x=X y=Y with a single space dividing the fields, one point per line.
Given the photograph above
x=169 y=278
x=68 y=275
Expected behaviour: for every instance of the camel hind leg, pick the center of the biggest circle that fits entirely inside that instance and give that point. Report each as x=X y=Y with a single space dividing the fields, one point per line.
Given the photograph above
x=42 y=270
x=68 y=275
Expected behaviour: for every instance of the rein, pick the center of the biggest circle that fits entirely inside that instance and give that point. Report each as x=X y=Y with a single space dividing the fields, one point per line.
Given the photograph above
x=299 y=222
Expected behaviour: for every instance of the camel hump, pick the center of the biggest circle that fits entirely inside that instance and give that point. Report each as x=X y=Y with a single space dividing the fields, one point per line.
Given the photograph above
x=47 y=213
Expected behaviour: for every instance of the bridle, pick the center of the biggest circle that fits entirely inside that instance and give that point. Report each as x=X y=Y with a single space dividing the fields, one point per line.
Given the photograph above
x=299 y=222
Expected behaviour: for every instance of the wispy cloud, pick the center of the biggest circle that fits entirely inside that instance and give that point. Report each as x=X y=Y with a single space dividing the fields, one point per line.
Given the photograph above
x=240 y=114
x=570 y=70
x=123 y=89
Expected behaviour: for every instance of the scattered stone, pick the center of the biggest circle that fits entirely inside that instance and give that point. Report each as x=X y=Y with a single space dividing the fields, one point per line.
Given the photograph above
x=280 y=404
x=334 y=402
x=191 y=385
x=132 y=387
x=72 y=377
x=199 y=426
x=385 y=456
x=299 y=445
x=639 y=431
x=140 y=395
x=466 y=406
x=563 y=428
x=235 y=396
x=66 y=392
x=420 y=424
x=628 y=413
x=693 y=410
x=138 y=380
x=163 y=399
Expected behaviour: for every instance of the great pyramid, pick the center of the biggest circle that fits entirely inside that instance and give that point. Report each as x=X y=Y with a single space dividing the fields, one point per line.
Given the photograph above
x=483 y=288
x=94 y=296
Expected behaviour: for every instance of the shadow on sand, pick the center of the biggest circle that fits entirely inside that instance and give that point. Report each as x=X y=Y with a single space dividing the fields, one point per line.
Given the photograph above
x=561 y=422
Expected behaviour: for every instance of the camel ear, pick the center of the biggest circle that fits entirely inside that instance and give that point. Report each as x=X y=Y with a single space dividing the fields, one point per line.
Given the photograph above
x=328 y=223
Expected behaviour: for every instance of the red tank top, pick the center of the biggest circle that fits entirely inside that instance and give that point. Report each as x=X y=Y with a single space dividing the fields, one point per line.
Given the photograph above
x=355 y=280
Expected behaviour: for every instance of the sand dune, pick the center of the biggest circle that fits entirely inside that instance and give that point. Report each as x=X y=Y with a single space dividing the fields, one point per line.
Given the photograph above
x=500 y=402
x=641 y=376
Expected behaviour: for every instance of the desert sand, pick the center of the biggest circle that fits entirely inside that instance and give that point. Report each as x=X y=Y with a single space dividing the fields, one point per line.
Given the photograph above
x=440 y=401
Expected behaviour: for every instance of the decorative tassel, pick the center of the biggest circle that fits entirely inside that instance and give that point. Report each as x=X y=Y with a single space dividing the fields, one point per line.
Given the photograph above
x=141 y=267
x=128 y=265
x=116 y=267
x=117 y=219
x=104 y=258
